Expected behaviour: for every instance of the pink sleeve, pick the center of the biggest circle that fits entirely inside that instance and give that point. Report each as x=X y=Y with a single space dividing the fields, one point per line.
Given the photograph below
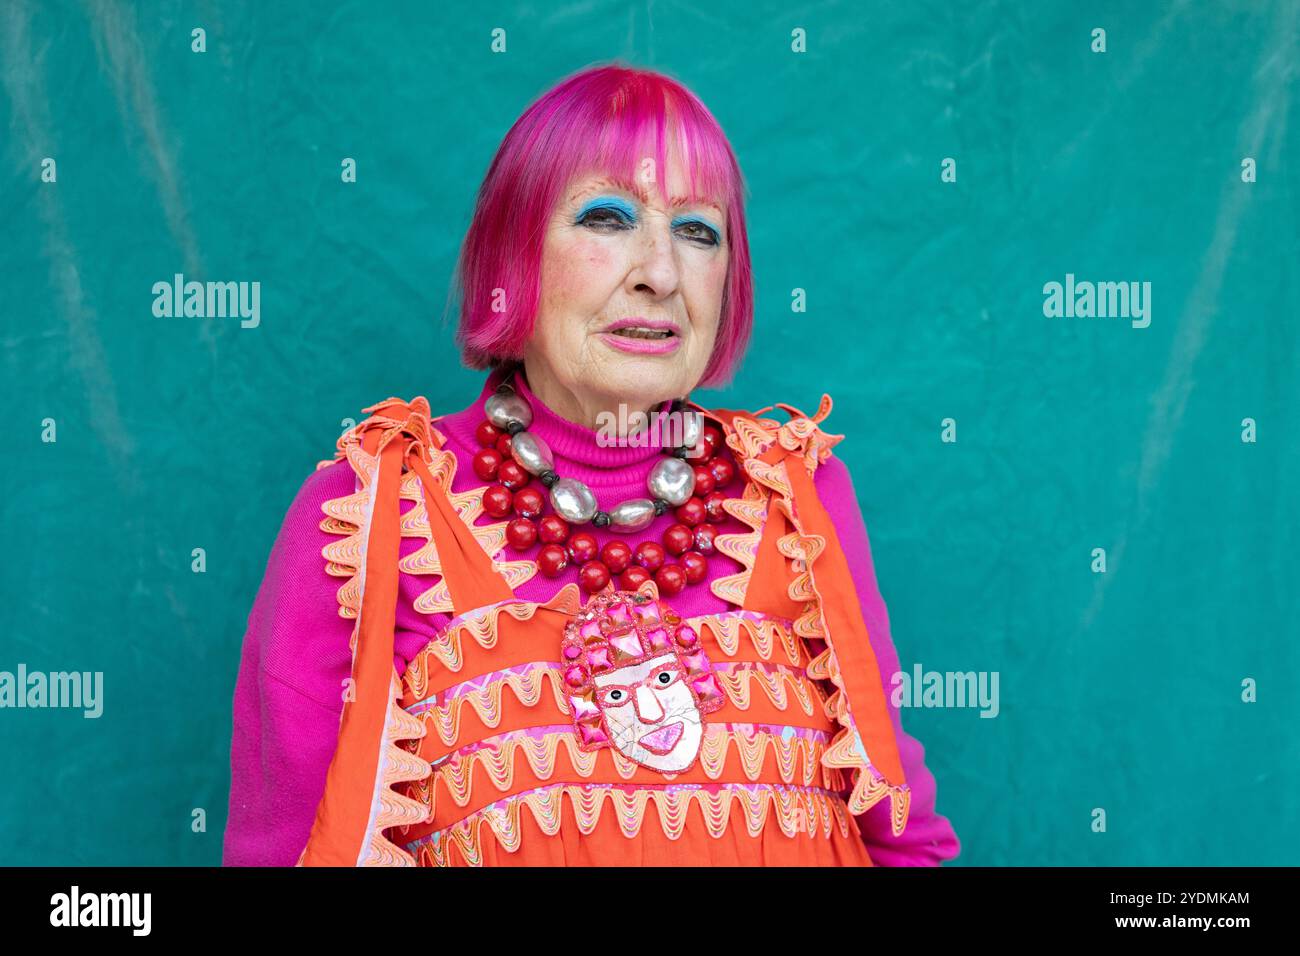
x=288 y=695
x=928 y=838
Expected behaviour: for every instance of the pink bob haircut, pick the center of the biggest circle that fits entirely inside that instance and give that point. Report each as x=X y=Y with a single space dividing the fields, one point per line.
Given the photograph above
x=596 y=121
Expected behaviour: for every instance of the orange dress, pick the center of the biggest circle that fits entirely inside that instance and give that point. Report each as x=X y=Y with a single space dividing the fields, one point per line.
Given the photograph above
x=471 y=757
x=510 y=786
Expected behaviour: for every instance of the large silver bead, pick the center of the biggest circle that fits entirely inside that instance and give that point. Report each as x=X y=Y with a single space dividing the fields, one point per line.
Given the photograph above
x=632 y=515
x=532 y=453
x=692 y=427
x=505 y=407
x=672 y=480
x=573 y=501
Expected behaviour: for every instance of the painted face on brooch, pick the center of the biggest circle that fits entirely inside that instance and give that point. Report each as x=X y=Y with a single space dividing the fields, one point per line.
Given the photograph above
x=651 y=714
x=638 y=680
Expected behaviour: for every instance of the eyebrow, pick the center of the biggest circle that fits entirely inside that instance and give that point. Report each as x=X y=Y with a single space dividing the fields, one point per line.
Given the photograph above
x=636 y=190
x=676 y=664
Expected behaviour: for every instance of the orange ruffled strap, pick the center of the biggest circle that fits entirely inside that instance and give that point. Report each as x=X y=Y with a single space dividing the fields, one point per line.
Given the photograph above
x=784 y=459
x=358 y=803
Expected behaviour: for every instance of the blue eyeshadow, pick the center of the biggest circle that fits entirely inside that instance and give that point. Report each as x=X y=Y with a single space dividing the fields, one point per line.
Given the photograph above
x=629 y=212
x=717 y=233
x=617 y=202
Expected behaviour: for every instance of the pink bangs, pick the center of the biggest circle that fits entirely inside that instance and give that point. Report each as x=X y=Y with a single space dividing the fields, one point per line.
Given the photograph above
x=598 y=120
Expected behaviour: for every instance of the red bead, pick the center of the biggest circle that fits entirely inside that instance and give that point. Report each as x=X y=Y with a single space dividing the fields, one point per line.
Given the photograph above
x=633 y=578
x=593 y=576
x=486 y=462
x=552 y=560
x=708 y=447
x=553 y=530
x=512 y=475
x=671 y=579
x=583 y=547
x=703 y=480
x=691 y=512
x=487 y=434
x=713 y=438
x=498 y=501
x=704 y=535
x=678 y=538
x=503 y=444
x=529 y=502
x=713 y=506
x=723 y=471
x=617 y=555
x=521 y=533
x=695 y=565
x=650 y=555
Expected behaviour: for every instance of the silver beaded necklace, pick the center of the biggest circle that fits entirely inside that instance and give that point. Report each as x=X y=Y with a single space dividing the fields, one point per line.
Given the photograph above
x=671 y=481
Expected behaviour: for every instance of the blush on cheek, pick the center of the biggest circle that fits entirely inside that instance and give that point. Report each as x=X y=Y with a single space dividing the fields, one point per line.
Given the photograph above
x=718 y=278
x=582 y=254
x=598 y=261
x=573 y=273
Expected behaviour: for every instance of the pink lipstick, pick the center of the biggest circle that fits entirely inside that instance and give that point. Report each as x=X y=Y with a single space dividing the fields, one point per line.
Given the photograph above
x=640 y=336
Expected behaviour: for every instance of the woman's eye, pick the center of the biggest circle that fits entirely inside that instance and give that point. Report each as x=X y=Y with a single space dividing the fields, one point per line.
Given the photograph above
x=605 y=218
x=665 y=677
x=614 y=696
x=699 y=232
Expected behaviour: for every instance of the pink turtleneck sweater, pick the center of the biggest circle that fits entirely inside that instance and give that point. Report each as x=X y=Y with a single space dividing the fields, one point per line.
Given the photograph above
x=295 y=657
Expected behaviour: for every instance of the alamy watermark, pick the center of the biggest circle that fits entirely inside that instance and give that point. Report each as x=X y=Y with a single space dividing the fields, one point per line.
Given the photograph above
x=636 y=429
x=1098 y=300
x=75 y=908
x=208 y=300
x=64 y=689
x=922 y=688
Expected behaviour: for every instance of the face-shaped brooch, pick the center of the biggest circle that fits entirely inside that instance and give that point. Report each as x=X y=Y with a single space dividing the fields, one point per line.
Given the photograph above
x=638 y=680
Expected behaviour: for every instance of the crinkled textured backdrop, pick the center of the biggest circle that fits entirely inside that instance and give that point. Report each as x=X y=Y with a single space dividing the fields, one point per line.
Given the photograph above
x=1120 y=691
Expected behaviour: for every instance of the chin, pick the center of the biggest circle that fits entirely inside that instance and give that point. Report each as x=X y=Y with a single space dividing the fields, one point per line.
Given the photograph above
x=652 y=377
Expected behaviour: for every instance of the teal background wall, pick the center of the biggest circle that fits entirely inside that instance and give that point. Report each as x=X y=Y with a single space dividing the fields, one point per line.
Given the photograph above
x=1119 y=690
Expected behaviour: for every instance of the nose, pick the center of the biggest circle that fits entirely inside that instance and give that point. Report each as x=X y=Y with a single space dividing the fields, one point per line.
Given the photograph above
x=648 y=707
x=655 y=269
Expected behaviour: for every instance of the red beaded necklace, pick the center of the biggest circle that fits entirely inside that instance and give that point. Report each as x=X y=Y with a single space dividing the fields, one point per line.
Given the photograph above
x=677 y=560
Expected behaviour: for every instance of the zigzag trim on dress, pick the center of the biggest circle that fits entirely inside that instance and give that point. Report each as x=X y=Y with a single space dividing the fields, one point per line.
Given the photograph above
x=792 y=747
x=345 y=516
x=797 y=810
x=764 y=631
x=750 y=439
x=528 y=680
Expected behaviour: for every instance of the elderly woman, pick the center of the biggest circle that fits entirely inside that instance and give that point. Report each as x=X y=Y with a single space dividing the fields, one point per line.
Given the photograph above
x=555 y=628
